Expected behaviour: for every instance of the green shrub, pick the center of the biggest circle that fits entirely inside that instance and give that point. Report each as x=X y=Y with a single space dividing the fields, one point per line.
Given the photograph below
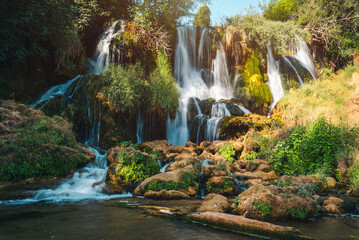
x=263 y=209
x=122 y=87
x=163 y=87
x=354 y=175
x=314 y=149
x=228 y=152
x=136 y=165
x=203 y=17
x=236 y=202
x=298 y=213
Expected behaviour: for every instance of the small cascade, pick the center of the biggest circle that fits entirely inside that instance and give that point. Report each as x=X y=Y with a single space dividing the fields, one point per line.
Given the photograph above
x=243 y=109
x=164 y=167
x=274 y=79
x=139 y=128
x=201 y=73
x=87 y=183
x=66 y=89
x=294 y=69
x=101 y=58
x=219 y=110
x=304 y=56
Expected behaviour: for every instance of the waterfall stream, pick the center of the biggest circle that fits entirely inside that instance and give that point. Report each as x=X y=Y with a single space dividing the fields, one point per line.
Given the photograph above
x=201 y=76
x=86 y=183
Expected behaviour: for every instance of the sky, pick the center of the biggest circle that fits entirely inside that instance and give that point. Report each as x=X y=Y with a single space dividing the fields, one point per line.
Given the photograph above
x=221 y=9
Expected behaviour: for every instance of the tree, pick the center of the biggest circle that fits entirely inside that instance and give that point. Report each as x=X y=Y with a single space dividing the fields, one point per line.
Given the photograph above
x=202 y=17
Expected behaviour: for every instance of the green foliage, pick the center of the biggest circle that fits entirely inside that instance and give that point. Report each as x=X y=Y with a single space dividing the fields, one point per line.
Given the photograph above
x=332 y=23
x=251 y=156
x=354 y=176
x=219 y=187
x=263 y=209
x=203 y=17
x=298 y=213
x=236 y=201
x=188 y=179
x=228 y=152
x=41 y=147
x=261 y=32
x=163 y=87
x=314 y=149
x=136 y=165
x=123 y=87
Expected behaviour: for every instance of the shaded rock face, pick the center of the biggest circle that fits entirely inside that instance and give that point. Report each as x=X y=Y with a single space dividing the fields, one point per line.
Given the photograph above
x=273 y=202
x=235 y=127
x=215 y=203
x=166 y=195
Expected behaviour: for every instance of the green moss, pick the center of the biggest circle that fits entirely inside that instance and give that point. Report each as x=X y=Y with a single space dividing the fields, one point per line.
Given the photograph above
x=236 y=202
x=42 y=147
x=220 y=187
x=188 y=179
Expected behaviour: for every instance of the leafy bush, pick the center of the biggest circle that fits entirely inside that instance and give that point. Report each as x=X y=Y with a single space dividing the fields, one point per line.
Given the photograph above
x=314 y=149
x=122 y=87
x=261 y=32
x=298 y=213
x=136 y=165
x=354 y=175
x=228 y=152
x=236 y=202
x=163 y=87
x=263 y=209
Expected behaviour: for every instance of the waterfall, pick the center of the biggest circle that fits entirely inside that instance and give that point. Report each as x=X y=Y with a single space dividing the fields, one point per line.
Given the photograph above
x=199 y=74
x=101 y=58
x=88 y=182
x=139 y=127
x=295 y=70
x=218 y=111
x=274 y=79
x=304 y=56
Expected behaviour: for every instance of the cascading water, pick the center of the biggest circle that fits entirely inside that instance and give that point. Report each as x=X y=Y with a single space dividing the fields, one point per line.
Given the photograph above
x=274 y=79
x=139 y=128
x=102 y=54
x=199 y=76
x=219 y=110
x=304 y=56
x=88 y=182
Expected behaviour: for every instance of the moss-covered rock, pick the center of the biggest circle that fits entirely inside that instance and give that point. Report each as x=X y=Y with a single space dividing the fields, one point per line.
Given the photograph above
x=127 y=167
x=33 y=145
x=234 y=127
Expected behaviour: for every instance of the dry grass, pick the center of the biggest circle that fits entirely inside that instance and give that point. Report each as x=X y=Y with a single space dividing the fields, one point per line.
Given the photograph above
x=336 y=98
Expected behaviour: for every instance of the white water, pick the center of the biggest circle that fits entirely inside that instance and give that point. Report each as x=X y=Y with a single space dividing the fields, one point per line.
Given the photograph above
x=87 y=183
x=274 y=79
x=189 y=68
x=243 y=109
x=101 y=58
x=295 y=70
x=218 y=111
x=304 y=56
x=139 y=127
x=58 y=90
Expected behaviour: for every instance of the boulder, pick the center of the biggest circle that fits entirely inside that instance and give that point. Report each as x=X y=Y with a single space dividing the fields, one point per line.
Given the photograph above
x=160 y=145
x=220 y=184
x=215 y=203
x=273 y=202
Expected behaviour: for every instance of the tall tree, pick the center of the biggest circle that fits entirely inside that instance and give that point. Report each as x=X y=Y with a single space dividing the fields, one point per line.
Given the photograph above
x=203 y=17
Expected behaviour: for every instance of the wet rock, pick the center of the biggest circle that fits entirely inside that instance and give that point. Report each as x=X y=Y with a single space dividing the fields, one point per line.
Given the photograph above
x=265 y=176
x=183 y=160
x=159 y=145
x=272 y=202
x=245 y=225
x=220 y=184
x=215 y=203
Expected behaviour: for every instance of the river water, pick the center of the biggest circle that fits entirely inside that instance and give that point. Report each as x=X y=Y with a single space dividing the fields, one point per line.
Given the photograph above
x=111 y=219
